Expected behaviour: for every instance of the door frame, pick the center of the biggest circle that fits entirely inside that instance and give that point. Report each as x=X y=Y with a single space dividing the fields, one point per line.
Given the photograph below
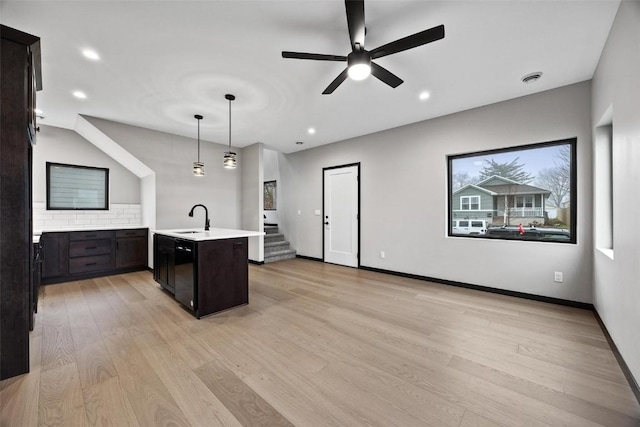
x=357 y=164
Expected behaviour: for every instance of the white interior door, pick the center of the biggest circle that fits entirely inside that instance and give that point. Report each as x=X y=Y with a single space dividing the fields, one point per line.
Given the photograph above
x=340 y=216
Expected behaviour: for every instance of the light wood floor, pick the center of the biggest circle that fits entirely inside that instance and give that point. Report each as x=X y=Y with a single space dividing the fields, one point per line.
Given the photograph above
x=318 y=345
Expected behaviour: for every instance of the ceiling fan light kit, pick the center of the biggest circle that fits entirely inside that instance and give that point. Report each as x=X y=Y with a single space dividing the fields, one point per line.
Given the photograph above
x=359 y=64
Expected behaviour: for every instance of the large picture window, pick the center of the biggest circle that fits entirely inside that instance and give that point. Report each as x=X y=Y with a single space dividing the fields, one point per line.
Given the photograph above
x=518 y=193
x=77 y=187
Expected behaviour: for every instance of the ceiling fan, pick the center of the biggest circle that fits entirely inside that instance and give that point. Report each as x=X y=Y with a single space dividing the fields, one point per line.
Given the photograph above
x=359 y=64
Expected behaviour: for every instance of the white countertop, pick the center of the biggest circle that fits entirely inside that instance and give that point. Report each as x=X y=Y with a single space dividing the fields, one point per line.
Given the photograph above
x=91 y=228
x=213 y=234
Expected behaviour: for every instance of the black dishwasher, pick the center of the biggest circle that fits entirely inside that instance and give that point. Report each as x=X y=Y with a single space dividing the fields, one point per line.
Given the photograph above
x=184 y=273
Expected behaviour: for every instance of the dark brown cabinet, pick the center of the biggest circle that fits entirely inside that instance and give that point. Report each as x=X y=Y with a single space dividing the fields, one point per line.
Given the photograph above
x=223 y=275
x=90 y=251
x=55 y=251
x=131 y=248
x=84 y=254
x=164 y=248
x=21 y=77
x=207 y=276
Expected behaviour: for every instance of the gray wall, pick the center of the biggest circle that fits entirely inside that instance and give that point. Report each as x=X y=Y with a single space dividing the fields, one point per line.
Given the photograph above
x=403 y=196
x=171 y=157
x=66 y=146
x=616 y=84
x=252 y=197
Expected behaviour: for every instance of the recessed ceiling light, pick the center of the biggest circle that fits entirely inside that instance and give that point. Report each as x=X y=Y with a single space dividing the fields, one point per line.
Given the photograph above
x=311 y=131
x=299 y=142
x=80 y=95
x=424 y=95
x=91 y=54
x=532 y=77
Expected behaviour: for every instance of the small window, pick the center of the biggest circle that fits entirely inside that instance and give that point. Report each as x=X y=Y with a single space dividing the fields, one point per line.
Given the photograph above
x=464 y=223
x=77 y=187
x=477 y=224
x=470 y=203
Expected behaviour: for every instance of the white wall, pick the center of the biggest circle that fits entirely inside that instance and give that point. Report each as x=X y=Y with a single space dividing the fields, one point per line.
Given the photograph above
x=272 y=173
x=252 y=198
x=171 y=157
x=616 y=281
x=403 y=196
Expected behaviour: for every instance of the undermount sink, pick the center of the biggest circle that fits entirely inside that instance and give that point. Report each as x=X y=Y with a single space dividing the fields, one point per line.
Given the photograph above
x=189 y=232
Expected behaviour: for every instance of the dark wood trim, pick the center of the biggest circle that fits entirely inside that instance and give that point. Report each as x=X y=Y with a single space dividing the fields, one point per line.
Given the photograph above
x=623 y=365
x=568 y=303
x=359 y=204
x=310 y=258
x=256 y=262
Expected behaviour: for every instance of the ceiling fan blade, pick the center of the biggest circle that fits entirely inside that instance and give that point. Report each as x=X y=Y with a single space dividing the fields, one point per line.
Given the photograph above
x=355 y=21
x=385 y=75
x=335 y=83
x=409 y=42
x=313 y=56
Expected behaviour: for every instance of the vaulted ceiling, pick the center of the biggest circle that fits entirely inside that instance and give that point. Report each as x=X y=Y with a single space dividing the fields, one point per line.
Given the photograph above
x=161 y=62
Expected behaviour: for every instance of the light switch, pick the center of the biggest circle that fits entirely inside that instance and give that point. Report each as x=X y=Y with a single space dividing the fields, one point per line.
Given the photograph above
x=317 y=212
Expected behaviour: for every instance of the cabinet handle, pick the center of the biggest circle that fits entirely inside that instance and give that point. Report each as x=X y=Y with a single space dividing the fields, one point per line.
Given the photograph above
x=130 y=233
x=90 y=263
x=91 y=248
x=90 y=235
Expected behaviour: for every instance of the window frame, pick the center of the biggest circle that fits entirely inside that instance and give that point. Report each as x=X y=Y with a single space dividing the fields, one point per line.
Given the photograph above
x=573 y=214
x=105 y=205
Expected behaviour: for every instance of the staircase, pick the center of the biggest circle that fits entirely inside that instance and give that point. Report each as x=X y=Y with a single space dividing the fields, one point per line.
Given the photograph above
x=275 y=247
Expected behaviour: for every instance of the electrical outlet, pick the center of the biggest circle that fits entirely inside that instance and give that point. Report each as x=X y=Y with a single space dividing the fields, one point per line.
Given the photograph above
x=557 y=277
x=382 y=254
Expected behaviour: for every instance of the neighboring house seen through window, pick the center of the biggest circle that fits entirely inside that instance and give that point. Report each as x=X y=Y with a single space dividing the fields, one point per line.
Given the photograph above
x=522 y=193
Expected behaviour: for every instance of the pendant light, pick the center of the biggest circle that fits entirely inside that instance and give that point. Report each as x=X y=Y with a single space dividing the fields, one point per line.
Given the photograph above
x=198 y=167
x=229 y=157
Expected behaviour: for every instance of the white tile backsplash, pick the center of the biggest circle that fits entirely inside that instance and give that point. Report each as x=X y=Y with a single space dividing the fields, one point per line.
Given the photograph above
x=118 y=214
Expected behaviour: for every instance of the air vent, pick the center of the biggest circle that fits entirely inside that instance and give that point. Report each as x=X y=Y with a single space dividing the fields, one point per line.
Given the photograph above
x=532 y=77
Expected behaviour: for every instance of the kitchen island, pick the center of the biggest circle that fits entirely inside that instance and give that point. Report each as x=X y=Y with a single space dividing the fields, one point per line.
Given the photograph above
x=206 y=271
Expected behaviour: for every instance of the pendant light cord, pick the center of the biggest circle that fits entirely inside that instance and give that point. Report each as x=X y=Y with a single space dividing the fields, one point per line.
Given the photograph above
x=229 y=125
x=198 y=140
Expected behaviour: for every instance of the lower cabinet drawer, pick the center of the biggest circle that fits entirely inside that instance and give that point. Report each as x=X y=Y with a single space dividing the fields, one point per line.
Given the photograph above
x=82 y=248
x=90 y=263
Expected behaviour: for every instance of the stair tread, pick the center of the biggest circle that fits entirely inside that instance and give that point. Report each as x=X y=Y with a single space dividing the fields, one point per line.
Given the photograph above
x=278 y=243
x=278 y=253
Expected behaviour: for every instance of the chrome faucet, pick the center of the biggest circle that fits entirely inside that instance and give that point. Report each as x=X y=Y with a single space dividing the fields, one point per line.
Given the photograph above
x=206 y=217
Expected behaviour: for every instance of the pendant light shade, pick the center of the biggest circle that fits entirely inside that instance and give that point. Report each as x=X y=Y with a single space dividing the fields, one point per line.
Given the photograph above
x=229 y=161
x=198 y=167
